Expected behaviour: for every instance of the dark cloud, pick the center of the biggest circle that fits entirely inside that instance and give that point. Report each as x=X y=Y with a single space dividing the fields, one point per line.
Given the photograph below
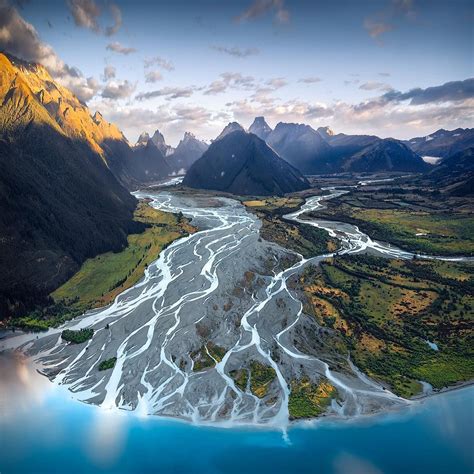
x=119 y=48
x=236 y=52
x=454 y=91
x=168 y=92
x=118 y=90
x=160 y=62
x=86 y=14
x=261 y=8
x=117 y=17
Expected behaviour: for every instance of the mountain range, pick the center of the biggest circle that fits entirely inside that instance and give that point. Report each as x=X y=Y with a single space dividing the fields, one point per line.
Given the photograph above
x=322 y=151
x=443 y=143
x=242 y=163
x=171 y=160
x=60 y=201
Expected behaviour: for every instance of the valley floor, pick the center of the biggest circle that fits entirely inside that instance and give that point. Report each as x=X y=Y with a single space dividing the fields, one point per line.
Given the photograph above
x=260 y=316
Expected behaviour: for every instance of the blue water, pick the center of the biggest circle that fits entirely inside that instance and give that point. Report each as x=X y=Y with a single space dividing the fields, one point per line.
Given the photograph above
x=42 y=430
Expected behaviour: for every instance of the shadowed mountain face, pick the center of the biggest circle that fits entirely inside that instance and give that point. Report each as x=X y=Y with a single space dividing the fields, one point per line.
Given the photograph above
x=301 y=146
x=242 y=163
x=443 y=143
x=59 y=201
x=455 y=174
x=260 y=128
x=229 y=128
x=189 y=150
x=385 y=155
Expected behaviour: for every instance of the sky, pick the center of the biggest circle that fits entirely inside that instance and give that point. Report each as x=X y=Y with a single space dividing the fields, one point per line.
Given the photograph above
x=399 y=68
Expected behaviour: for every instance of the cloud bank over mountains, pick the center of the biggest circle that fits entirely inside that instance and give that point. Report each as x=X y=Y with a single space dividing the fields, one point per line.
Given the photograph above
x=141 y=91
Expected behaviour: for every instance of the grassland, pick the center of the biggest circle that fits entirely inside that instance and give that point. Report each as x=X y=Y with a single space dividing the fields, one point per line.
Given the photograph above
x=387 y=310
x=419 y=225
x=261 y=376
x=308 y=400
x=306 y=240
x=207 y=356
x=101 y=279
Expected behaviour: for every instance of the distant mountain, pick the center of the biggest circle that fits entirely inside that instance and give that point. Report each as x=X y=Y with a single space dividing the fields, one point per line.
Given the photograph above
x=455 y=174
x=385 y=155
x=443 y=143
x=143 y=139
x=159 y=141
x=260 y=128
x=149 y=163
x=301 y=146
x=325 y=132
x=229 y=128
x=59 y=200
x=189 y=150
x=343 y=145
x=242 y=163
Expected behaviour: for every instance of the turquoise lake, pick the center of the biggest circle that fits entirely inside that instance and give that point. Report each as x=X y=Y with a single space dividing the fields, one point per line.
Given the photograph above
x=43 y=430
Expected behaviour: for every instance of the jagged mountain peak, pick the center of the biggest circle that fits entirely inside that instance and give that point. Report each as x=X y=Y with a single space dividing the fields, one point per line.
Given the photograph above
x=260 y=128
x=159 y=141
x=143 y=139
x=239 y=163
x=229 y=128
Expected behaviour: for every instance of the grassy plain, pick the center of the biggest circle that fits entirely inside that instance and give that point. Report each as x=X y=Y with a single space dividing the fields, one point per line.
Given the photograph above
x=387 y=310
x=306 y=240
x=102 y=278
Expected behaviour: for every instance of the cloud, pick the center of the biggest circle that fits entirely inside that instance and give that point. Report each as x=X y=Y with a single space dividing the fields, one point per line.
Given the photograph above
x=168 y=92
x=21 y=39
x=387 y=19
x=118 y=48
x=109 y=73
x=237 y=52
x=310 y=80
x=376 y=28
x=85 y=91
x=384 y=74
x=261 y=8
x=228 y=80
x=276 y=83
x=394 y=113
x=153 y=76
x=160 y=62
x=116 y=90
x=86 y=14
x=454 y=91
x=117 y=17
x=375 y=86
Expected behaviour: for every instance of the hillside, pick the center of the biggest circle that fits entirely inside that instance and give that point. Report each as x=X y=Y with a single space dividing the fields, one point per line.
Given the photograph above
x=443 y=143
x=59 y=201
x=301 y=146
x=385 y=155
x=242 y=163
